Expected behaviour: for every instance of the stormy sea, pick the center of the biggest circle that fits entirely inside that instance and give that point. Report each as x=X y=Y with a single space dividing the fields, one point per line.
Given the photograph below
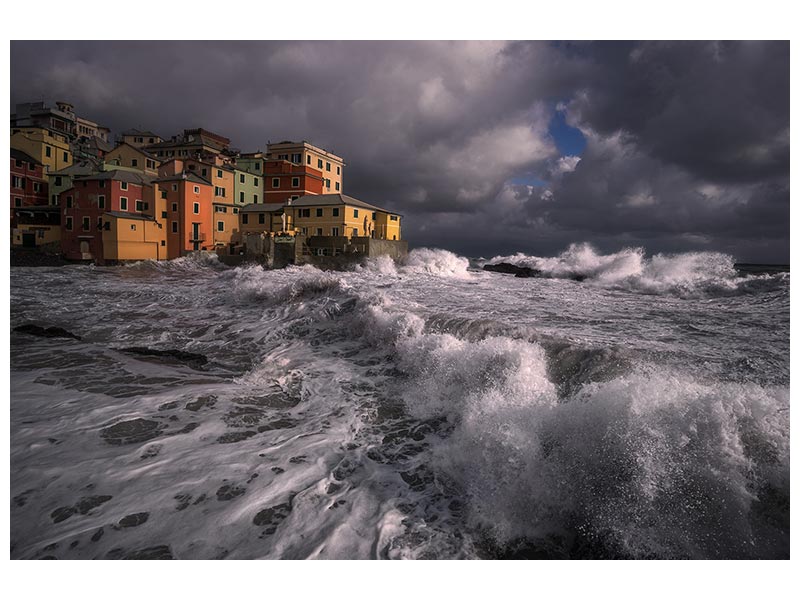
x=623 y=405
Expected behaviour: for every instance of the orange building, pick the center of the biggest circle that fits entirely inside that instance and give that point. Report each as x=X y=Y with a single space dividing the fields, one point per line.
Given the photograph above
x=285 y=180
x=190 y=212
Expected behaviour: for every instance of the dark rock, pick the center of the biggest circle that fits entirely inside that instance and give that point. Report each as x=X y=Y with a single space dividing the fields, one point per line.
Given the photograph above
x=235 y=436
x=229 y=492
x=243 y=416
x=169 y=405
x=190 y=359
x=87 y=503
x=153 y=553
x=131 y=432
x=272 y=517
x=183 y=501
x=201 y=402
x=277 y=470
x=134 y=520
x=278 y=424
x=62 y=513
x=48 y=332
x=97 y=535
x=512 y=269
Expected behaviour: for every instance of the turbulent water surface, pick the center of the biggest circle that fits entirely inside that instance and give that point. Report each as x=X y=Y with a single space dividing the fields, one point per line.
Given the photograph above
x=423 y=410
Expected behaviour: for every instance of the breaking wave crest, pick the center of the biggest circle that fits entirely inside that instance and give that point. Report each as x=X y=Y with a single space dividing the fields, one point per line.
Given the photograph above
x=629 y=459
x=422 y=261
x=686 y=274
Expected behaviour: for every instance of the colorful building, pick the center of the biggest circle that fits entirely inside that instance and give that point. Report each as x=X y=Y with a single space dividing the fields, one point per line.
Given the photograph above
x=37 y=227
x=262 y=218
x=126 y=155
x=285 y=180
x=340 y=215
x=28 y=182
x=51 y=148
x=139 y=139
x=127 y=236
x=329 y=164
x=193 y=143
x=189 y=209
x=84 y=205
x=247 y=187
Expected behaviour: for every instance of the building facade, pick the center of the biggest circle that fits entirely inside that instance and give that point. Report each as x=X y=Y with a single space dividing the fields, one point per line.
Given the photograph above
x=28 y=182
x=49 y=147
x=330 y=165
x=339 y=215
x=284 y=180
x=248 y=187
x=126 y=155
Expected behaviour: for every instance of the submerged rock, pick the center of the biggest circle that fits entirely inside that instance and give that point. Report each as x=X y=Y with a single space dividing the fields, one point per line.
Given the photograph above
x=48 y=332
x=512 y=269
x=188 y=358
x=133 y=520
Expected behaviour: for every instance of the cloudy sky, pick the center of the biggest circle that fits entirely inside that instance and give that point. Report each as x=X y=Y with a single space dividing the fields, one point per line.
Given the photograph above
x=486 y=147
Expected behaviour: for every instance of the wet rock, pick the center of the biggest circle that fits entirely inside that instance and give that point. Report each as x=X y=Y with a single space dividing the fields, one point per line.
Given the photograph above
x=272 y=517
x=62 y=513
x=201 y=402
x=131 y=432
x=277 y=400
x=251 y=478
x=278 y=424
x=97 y=535
x=183 y=501
x=229 y=492
x=243 y=416
x=190 y=359
x=512 y=269
x=151 y=451
x=332 y=488
x=169 y=405
x=277 y=470
x=87 y=503
x=133 y=520
x=48 y=332
x=235 y=436
x=298 y=459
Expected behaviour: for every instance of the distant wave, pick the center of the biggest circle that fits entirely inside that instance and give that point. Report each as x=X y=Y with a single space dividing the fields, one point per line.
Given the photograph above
x=685 y=274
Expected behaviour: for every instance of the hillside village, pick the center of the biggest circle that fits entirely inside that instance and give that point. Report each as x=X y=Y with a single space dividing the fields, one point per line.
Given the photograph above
x=77 y=193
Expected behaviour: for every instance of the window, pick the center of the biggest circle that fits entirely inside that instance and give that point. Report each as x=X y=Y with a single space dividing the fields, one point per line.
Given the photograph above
x=102 y=183
x=133 y=227
x=297 y=158
x=255 y=181
x=164 y=194
x=355 y=213
x=17 y=202
x=295 y=197
x=48 y=151
x=163 y=214
x=197 y=189
x=123 y=185
x=295 y=182
x=196 y=208
x=374 y=216
x=261 y=218
x=68 y=223
x=58 y=180
x=393 y=218
x=174 y=227
x=355 y=232
x=244 y=219
x=305 y=212
x=17 y=182
x=66 y=156
x=328 y=183
x=235 y=211
x=222 y=209
x=241 y=197
x=139 y=206
x=123 y=203
x=174 y=207
x=283 y=157
x=134 y=162
x=308 y=159
x=54 y=199
x=255 y=198
x=203 y=171
x=86 y=224
x=337 y=186
x=69 y=201
x=174 y=187
x=334 y=231
x=220 y=225
x=18 y=162
x=241 y=178
x=319 y=163
x=163 y=242
x=327 y=166
x=319 y=212
x=276 y=182
x=338 y=170
x=99 y=222
x=219 y=173
x=101 y=202
x=319 y=230
x=219 y=192
x=335 y=212
x=151 y=164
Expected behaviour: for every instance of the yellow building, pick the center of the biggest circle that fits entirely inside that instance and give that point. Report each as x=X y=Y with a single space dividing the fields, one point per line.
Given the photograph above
x=261 y=218
x=37 y=226
x=303 y=153
x=126 y=155
x=138 y=139
x=49 y=147
x=133 y=236
x=226 y=224
x=340 y=215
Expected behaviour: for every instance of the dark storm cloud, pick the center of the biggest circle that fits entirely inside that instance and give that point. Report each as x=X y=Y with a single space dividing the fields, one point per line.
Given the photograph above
x=687 y=143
